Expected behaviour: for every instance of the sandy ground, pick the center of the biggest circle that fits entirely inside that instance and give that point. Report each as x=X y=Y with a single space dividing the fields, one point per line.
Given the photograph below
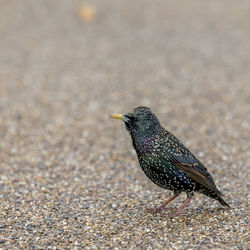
x=68 y=174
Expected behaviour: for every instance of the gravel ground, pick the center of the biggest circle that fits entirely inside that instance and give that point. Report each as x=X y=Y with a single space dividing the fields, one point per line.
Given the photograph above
x=68 y=175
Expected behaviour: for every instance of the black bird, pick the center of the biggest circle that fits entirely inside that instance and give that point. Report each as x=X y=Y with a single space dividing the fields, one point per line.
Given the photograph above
x=165 y=160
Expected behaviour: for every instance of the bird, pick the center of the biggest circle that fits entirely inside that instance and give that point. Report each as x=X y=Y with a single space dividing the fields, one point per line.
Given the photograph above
x=166 y=161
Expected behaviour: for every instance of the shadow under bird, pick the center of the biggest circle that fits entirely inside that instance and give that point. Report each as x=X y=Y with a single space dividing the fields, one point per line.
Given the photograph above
x=165 y=160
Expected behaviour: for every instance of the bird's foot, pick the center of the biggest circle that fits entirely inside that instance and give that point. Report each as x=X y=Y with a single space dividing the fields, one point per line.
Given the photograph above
x=179 y=210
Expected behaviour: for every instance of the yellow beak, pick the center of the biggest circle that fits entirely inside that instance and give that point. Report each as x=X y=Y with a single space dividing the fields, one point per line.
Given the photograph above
x=117 y=116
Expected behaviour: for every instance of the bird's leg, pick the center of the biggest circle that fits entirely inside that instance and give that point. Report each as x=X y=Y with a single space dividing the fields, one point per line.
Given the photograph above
x=159 y=209
x=178 y=211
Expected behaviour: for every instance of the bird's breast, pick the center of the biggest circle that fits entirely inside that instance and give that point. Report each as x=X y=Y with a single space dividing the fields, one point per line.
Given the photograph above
x=164 y=174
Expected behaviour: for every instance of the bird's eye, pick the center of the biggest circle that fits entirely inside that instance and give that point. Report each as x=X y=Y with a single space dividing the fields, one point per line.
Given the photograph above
x=131 y=118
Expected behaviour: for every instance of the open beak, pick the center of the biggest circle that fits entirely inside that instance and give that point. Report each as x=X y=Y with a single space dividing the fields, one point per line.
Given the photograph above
x=117 y=116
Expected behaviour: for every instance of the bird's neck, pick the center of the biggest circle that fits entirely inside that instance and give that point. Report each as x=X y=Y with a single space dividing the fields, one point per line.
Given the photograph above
x=143 y=144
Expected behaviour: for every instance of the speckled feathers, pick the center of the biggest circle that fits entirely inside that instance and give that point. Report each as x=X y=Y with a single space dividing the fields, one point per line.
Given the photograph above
x=164 y=158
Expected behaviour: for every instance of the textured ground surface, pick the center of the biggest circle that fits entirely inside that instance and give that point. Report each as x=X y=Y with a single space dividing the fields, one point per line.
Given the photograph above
x=68 y=174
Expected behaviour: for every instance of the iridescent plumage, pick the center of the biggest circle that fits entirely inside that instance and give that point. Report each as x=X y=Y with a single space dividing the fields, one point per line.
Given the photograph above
x=165 y=160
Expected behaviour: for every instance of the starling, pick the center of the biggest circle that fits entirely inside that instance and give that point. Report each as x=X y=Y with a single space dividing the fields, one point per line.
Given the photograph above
x=165 y=160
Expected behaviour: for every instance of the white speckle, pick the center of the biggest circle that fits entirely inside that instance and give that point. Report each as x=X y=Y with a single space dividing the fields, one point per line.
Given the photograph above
x=224 y=157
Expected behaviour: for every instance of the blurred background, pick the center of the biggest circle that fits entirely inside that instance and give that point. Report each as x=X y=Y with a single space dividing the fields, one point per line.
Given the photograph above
x=68 y=172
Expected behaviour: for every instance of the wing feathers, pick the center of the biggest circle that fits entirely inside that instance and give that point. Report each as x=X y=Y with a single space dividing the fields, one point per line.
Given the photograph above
x=193 y=168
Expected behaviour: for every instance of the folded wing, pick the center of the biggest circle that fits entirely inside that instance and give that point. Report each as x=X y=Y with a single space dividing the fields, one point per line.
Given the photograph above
x=187 y=163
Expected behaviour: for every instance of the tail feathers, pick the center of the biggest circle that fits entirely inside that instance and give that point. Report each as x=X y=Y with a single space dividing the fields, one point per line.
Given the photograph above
x=222 y=202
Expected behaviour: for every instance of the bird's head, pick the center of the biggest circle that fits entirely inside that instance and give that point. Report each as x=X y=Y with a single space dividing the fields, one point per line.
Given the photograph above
x=141 y=122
